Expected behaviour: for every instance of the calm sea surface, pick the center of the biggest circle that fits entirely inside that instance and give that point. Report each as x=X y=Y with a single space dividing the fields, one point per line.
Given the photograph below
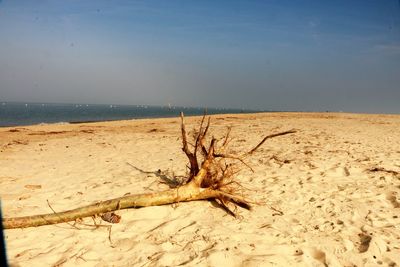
x=15 y=114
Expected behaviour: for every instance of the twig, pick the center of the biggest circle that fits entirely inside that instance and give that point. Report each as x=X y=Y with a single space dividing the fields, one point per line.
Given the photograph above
x=269 y=137
x=280 y=213
x=235 y=158
x=72 y=225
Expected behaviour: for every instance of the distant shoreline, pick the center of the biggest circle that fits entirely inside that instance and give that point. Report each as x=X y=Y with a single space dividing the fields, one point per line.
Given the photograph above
x=116 y=120
x=283 y=113
x=17 y=114
x=14 y=114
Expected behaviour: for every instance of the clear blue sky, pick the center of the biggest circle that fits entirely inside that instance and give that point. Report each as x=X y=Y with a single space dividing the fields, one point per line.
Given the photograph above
x=280 y=55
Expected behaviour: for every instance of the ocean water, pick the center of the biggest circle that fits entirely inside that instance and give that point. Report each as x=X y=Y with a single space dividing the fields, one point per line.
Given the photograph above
x=17 y=114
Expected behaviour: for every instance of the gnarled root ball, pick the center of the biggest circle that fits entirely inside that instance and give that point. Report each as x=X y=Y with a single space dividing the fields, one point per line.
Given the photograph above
x=211 y=176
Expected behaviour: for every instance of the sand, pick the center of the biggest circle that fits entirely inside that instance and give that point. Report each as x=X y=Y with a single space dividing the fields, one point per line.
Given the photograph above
x=328 y=195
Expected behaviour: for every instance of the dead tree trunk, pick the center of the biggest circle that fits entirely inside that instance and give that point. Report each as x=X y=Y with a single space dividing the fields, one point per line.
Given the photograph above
x=212 y=179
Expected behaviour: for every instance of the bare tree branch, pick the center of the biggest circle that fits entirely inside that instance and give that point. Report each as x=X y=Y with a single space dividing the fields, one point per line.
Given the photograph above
x=213 y=180
x=269 y=137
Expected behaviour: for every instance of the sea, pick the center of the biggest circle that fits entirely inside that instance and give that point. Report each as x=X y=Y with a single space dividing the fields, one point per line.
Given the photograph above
x=18 y=114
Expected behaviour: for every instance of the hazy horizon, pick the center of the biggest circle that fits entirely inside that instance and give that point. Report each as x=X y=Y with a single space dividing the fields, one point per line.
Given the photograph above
x=268 y=55
x=167 y=105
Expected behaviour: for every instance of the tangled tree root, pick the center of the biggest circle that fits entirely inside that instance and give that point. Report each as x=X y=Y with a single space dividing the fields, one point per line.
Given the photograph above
x=210 y=179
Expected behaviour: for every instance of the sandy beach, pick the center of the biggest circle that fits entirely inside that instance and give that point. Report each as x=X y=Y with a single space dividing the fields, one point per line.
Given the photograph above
x=328 y=195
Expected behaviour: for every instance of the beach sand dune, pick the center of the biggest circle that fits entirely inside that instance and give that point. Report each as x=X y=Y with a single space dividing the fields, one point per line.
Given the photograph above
x=328 y=195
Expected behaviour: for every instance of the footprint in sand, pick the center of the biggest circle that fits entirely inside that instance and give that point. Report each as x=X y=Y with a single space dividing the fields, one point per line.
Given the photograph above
x=312 y=254
x=298 y=252
x=125 y=244
x=346 y=171
x=365 y=240
x=391 y=196
x=33 y=186
x=26 y=196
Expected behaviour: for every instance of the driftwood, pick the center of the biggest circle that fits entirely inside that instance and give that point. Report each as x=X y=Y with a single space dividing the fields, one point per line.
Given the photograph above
x=211 y=179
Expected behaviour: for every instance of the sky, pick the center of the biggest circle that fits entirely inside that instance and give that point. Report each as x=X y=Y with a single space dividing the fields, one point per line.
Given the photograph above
x=319 y=55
